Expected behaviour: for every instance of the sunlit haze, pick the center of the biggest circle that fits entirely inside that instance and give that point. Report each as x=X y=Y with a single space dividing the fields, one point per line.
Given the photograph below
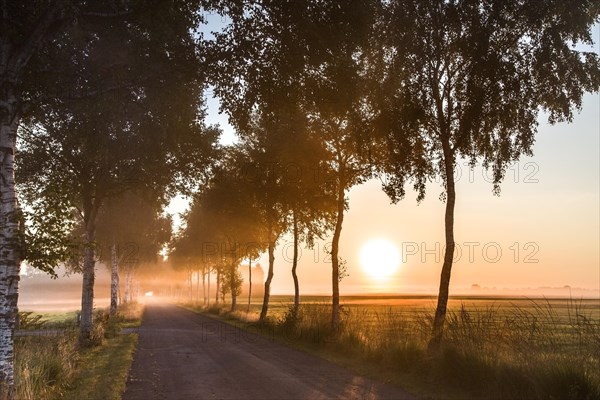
x=541 y=232
x=539 y=237
x=379 y=258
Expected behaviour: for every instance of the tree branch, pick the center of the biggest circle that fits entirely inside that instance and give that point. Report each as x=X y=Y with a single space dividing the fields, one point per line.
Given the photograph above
x=98 y=92
x=24 y=52
x=100 y=14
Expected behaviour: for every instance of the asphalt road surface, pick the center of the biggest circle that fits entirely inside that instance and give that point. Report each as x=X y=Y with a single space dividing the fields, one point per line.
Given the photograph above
x=183 y=355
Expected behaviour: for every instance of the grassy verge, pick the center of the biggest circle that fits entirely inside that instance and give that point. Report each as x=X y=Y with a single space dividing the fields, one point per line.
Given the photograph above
x=45 y=365
x=51 y=366
x=535 y=352
x=105 y=369
x=29 y=320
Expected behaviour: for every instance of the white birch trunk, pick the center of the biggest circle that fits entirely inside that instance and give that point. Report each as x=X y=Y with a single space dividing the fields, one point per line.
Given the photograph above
x=233 y=288
x=136 y=291
x=249 y=283
x=10 y=257
x=12 y=65
x=197 y=286
x=114 y=281
x=86 y=325
x=218 y=284
x=191 y=280
x=127 y=294
x=267 y=295
x=204 y=285
x=208 y=289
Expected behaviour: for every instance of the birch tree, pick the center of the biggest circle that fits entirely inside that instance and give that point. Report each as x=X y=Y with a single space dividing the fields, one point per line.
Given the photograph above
x=84 y=168
x=468 y=79
x=187 y=251
x=311 y=200
x=349 y=166
x=130 y=232
x=27 y=29
x=266 y=182
x=95 y=156
x=30 y=31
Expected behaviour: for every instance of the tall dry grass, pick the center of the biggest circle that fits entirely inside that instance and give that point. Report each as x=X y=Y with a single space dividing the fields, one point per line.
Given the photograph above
x=524 y=352
x=45 y=364
x=47 y=361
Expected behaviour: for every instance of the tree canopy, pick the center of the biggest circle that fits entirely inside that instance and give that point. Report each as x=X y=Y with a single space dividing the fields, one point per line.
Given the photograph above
x=467 y=80
x=131 y=118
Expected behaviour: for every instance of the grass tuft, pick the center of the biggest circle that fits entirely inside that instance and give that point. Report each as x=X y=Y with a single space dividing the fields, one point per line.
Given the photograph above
x=45 y=365
x=50 y=365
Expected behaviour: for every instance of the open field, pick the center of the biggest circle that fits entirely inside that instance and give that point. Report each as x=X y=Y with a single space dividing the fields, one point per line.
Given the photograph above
x=548 y=313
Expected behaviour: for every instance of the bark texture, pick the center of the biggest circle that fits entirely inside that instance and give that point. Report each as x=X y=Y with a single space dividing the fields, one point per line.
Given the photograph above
x=86 y=325
x=14 y=58
x=10 y=255
x=114 y=281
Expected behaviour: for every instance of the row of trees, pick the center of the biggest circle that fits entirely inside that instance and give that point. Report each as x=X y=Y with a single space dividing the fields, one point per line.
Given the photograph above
x=105 y=103
x=402 y=90
x=251 y=200
x=139 y=134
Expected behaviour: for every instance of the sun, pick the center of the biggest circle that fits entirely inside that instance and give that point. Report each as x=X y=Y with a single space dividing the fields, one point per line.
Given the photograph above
x=379 y=258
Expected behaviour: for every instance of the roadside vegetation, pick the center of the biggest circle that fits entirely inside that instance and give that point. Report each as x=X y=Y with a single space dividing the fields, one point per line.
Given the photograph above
x=50 y=364
x=535 y=349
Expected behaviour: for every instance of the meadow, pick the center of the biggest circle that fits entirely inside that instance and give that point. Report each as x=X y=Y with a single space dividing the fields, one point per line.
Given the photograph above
x=494 y=347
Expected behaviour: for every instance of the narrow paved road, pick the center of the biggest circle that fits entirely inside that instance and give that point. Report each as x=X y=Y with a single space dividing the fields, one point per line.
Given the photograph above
x=183 y=355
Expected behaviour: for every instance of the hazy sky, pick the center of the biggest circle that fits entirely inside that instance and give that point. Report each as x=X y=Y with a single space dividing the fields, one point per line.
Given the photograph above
x=542 y=231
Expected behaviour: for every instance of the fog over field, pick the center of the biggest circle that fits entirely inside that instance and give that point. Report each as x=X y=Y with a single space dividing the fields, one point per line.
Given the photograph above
x=40 y=292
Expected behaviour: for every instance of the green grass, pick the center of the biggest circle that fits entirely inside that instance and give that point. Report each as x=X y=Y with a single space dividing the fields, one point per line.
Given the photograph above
x=51 y=366
x=105 y=370
x=30 y=320
x=60 y=318
x=493 y=348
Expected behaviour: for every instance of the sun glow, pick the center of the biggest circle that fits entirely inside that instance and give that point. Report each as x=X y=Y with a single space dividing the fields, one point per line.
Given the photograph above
x=379 y=258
